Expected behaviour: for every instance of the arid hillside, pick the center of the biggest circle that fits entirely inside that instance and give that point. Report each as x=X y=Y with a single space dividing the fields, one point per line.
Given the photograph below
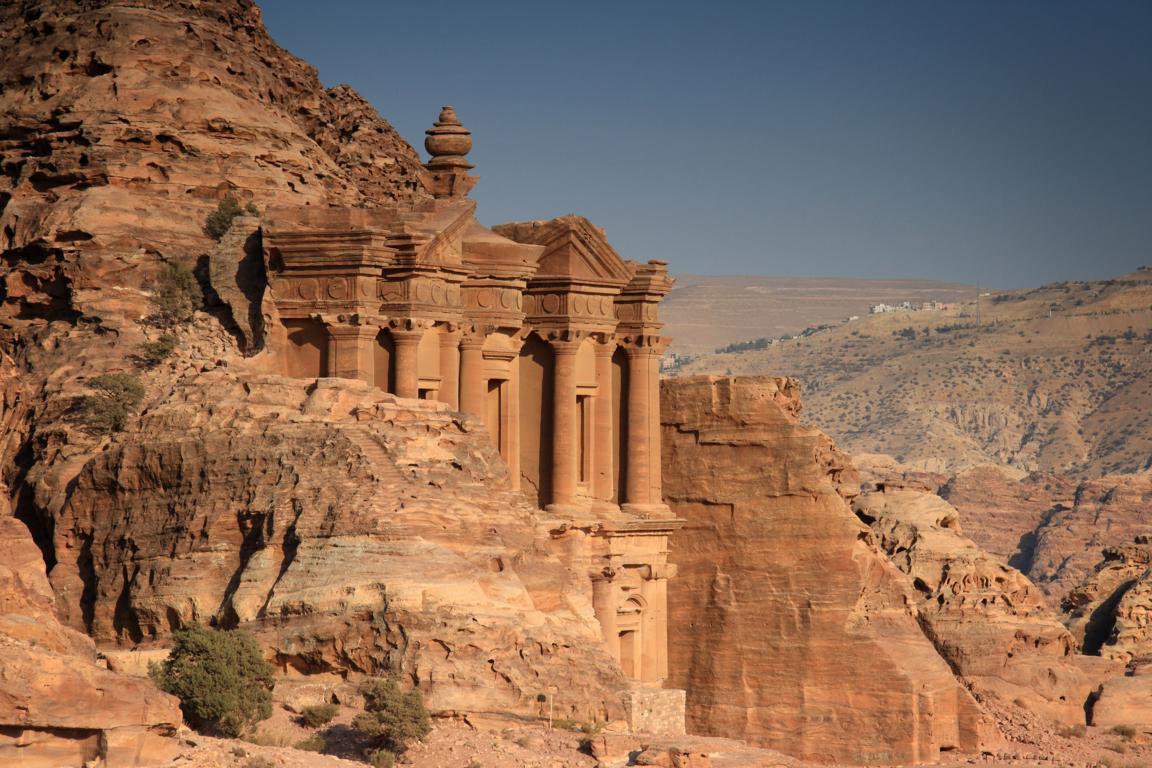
x=706 y=312
x=1055 y=378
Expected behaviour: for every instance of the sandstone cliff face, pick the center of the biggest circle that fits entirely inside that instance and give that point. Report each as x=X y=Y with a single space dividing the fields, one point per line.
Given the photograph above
x=352 y=531
x=986 y=619
x=58 y=706
x=126 y=121
x=1109 y=612
x=1107 y=512
x=1001 y=508
x=789 y=628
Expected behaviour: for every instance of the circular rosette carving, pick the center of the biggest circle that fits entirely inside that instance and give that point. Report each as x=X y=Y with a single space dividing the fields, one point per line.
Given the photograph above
x=337 y=289
x=307 y=288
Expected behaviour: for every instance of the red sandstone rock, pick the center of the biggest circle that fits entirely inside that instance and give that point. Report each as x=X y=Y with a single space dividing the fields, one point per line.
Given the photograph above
x=986 y=619
x=1001 y=508
x=1105 y=513
x=1109 y=612
x=352 y=531
x=790 y=630
x=58 y=706
x=126 y=122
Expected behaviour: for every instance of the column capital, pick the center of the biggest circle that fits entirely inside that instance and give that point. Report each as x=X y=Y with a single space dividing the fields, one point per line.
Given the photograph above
x=566 y=341
x=404 y=325
x=346 y=331
x=472 y=339
x=357 y=319
x=634 y=345
x=450 y=337
x=606 y=573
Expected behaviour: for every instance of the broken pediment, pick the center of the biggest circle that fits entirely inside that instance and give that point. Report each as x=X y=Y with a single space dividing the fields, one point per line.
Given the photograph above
x=575 y=250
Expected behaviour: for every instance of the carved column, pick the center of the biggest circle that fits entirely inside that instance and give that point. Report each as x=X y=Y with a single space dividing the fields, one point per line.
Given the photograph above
x=643 y=450
x=472 y=383
x=603 y=487
x=564 y=426
x=512 y=423
x=450 y=368
x=406 y=342
x=350 y=350
x=654 y=659
x=604 y=603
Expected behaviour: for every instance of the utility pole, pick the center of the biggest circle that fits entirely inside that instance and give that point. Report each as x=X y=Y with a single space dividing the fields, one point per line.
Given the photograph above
x=977 y=304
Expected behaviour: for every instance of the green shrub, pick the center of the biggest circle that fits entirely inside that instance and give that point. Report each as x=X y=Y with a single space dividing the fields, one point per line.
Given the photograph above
x=116 y=397
x=314 y=743
x=391 y=717
x=259 y=762
x=152 y=353
x=221 y=678
x=176 y=294
x=381 y=758
x=316 y=715
x=220 y=220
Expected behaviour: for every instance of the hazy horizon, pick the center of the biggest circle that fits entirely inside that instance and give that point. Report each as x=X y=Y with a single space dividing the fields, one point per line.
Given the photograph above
x=1000 y=142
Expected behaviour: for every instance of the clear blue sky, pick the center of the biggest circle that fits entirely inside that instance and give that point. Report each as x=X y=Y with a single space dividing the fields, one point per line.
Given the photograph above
x=1005 y=141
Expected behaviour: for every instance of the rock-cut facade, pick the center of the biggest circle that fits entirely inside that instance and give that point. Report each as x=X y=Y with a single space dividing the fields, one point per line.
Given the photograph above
x=538 y=329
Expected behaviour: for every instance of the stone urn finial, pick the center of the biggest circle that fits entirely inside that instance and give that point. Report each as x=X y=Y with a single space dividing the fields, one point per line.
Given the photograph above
x=447 y=141
x=447 y=138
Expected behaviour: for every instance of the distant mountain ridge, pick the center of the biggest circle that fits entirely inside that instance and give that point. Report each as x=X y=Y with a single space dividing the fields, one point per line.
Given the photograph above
x=706 y=312
x=1055 y=378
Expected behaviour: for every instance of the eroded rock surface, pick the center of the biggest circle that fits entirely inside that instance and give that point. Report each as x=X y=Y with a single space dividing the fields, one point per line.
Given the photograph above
x=58 y=705
x=352 y=531
x=1109 y=612
x=127 y=120
x=788 y=627
x=987 y=619
x=1107 y=512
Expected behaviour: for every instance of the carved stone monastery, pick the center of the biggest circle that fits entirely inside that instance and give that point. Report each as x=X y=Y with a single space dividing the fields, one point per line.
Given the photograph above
x=539 y=327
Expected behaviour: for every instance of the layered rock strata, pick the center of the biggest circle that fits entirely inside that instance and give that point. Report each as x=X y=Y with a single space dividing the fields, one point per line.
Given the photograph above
x=790 y=629
x=353 y=531
x=985 y=618
x=1108 y=512
x=58 y=705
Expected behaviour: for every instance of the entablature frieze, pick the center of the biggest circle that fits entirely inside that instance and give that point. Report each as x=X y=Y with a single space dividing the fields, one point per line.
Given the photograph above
x=421 y=294
x=323 y=292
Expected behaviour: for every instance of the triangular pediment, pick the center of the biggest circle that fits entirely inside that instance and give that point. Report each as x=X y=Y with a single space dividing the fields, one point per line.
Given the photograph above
x=574 y=249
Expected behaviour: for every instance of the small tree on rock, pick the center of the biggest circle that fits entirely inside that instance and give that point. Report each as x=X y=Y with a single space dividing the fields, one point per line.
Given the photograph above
x=115 y=398
x=152 y=353
x=221 y=678
x=176 y=294
x=220 y=220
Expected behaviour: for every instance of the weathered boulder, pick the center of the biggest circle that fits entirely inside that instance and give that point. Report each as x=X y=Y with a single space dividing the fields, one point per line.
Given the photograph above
x=1125 y=701
x=788 y=628
x=58 y=705
x=985 y=618
x=352 y=531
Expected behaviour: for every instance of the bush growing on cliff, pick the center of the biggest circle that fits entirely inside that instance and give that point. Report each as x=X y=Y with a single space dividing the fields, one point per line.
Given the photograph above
x=116 y=397
x=152 y=353
x=391 y=717
x=221 y=678
x=316 y=715
x=220 y=220
x=176 y=294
